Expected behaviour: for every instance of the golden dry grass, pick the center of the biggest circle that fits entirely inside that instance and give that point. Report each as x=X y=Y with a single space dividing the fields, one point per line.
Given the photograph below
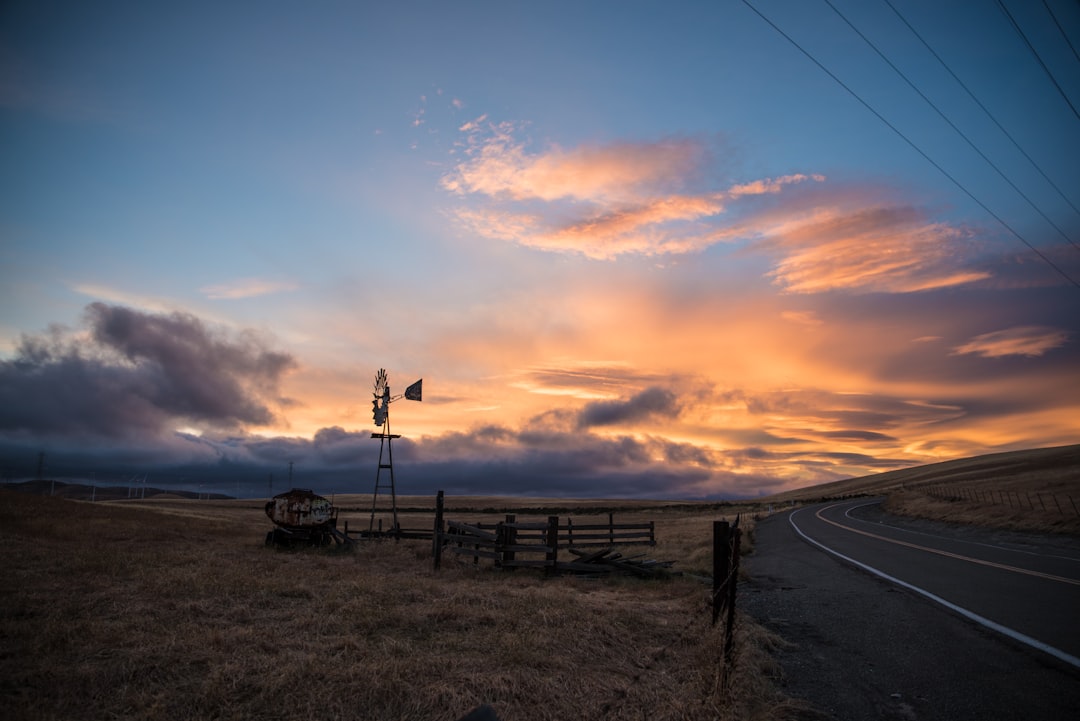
x=174 y=609
x=169 y=608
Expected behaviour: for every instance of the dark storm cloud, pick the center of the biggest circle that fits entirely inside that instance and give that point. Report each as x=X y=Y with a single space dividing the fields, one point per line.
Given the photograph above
x=137 y=374
x=650 y=403
x=542 y=458
x=488 y=460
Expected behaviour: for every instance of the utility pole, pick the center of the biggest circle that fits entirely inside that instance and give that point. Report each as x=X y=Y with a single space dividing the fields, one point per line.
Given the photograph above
x=41 y=473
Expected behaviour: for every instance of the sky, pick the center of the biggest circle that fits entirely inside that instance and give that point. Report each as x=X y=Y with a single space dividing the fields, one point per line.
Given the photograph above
x=703 y=250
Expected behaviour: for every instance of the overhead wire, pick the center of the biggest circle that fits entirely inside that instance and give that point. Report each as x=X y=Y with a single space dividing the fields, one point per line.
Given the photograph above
x=911 y=143
x=1024 y=37
x=990 y=115
x=1061 y=30
x=952 y=125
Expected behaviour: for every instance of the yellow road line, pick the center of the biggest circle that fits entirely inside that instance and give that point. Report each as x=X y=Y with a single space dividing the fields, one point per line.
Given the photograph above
x=938 y=551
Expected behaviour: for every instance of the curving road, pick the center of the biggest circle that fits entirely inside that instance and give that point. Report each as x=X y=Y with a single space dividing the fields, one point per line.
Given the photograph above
x=899 y=619
x=1027 y=594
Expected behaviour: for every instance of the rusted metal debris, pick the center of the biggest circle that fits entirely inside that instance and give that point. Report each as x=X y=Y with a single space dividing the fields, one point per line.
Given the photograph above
x=303 y=517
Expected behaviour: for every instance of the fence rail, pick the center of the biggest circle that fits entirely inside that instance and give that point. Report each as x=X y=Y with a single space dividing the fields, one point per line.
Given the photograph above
x=538 y=541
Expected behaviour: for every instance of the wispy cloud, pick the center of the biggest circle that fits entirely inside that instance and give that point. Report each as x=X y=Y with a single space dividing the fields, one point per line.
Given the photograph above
x=1030 y=341
x=771 y=185
x=246 y=288
x=654 y=198
x=124 y=297
x=499 y=166
x=892 y=249
x=585 y=380
x=602 y=201
x=806 y=318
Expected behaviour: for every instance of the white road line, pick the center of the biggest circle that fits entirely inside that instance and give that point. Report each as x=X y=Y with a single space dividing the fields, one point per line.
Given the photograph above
x=941 y=551
x=981 y=620
x=847 y=513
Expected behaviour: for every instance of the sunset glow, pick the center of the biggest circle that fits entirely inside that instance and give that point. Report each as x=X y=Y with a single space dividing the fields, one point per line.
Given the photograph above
x=677 y=260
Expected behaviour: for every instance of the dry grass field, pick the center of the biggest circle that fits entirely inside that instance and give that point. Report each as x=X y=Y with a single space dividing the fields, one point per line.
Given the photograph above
x=169 y=608
x=174 y=609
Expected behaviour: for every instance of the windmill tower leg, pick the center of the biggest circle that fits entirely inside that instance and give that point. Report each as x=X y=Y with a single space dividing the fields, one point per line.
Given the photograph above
x=385 y=445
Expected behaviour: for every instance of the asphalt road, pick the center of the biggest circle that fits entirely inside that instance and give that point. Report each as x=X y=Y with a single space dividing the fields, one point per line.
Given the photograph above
x=897 y=619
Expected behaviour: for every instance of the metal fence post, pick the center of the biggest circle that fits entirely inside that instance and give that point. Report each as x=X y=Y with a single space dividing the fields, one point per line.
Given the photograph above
x=721 y=566
x=733 y=583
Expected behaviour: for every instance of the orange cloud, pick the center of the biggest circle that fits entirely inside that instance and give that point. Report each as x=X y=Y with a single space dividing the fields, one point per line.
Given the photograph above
x=877 y=249
x=771 y=185
x=631 y=199
x=1030 y=341
x=600 y=201
x=500 y=167
x=753 y=398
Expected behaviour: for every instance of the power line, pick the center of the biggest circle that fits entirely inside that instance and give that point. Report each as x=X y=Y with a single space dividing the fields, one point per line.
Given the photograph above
x=907 y=140
x=951 y=123
x=1038 y=57
x=1061 y=30
x=985 y=110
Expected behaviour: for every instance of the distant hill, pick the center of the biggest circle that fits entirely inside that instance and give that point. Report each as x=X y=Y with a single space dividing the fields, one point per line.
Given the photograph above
x=81 y=492
x=1047 y=470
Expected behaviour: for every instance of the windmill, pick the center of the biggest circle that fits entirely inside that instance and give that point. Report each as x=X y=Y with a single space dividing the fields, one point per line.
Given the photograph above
x=381 y=413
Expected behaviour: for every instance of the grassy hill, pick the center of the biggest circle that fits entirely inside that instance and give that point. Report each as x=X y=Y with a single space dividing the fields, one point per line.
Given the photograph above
x=1037 y=489
x=83 y=492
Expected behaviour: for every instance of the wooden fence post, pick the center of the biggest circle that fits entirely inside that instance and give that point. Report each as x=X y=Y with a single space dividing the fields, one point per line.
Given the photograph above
x=552 y=556
x=611 y=527
x=510 y=539
x=436 y=536
x=652 y=533
x=500 y=543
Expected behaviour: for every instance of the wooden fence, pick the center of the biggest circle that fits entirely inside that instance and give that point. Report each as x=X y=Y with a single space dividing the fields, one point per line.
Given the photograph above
x=1064 y=505
x=534 y=544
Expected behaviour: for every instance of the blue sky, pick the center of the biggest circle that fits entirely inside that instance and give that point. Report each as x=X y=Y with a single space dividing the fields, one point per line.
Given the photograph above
x=633 y=249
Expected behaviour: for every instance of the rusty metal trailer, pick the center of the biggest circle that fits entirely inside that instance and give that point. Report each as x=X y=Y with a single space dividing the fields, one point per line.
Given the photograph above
x=302 y=517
